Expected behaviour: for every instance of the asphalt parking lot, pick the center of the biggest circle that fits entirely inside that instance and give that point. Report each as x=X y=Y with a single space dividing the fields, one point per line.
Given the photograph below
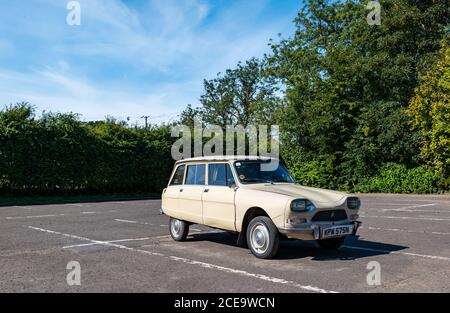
x=125 y=247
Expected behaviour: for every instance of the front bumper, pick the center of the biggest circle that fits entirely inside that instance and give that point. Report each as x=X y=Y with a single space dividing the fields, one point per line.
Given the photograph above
x=313 y=232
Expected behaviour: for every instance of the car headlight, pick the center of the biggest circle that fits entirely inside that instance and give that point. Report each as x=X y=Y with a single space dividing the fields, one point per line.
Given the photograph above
x=353 y=203
x=302 y=205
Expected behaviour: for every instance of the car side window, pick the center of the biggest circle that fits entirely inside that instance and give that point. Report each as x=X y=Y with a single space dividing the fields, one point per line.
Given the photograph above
x=178 y=176
x=230 y=177
x=196 y=174
x=220 y=175
x=217 y=175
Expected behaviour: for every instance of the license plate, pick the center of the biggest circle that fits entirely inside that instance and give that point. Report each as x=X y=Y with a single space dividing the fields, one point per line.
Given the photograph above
x=337 y=231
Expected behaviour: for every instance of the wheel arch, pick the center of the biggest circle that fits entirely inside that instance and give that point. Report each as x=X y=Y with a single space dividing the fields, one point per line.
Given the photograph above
x=250 y=214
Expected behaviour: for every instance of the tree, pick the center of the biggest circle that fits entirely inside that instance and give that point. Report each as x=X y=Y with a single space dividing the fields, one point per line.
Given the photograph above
x=241 y=96
x=340 y=72
x=189 y=115
x=430 y=112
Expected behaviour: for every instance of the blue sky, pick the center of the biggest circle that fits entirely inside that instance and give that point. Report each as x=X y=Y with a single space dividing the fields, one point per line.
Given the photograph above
x=132 y=57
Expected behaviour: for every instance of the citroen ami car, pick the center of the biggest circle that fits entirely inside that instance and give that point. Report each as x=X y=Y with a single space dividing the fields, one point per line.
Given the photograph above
x=238 y=194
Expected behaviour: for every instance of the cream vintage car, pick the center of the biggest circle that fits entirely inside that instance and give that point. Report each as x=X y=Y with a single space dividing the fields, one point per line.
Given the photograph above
x=235 y=194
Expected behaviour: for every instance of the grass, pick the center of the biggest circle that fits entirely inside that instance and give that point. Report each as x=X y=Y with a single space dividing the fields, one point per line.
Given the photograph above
x=9 y=200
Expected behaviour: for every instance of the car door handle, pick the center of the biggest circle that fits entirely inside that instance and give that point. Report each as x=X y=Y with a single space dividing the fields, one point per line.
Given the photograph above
x=181 y=190
x=206 y=190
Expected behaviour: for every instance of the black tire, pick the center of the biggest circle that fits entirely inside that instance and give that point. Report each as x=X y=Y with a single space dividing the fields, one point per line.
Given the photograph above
x=262 y=237
x=179 y=230
x=331 y=244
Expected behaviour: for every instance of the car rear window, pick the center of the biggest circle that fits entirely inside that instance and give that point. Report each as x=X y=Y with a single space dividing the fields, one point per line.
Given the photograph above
x=196 y=174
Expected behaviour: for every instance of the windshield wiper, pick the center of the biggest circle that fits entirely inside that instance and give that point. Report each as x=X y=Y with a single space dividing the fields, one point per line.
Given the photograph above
x=280 y=181
x=254 y=180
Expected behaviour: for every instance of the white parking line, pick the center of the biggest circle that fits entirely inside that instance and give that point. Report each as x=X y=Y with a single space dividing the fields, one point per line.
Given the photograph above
x=245 y=273
x=434 y=257
x=46 y=215
x=74 y=204
x=127 y=202
x=136 y=239
x=408 y=218
x=399 y=202
x=409 y=208
x=104 y=243
x=419 y=211
x=110 y=241
x=32 y=216
x=158 y=237
x=404 y=230
x=22 y=207
x=280 y=281
x=197 y=232
x=132 y=222
x=125 y=221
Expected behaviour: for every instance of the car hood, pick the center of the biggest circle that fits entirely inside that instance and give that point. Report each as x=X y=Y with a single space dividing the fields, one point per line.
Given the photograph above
x=320 y=197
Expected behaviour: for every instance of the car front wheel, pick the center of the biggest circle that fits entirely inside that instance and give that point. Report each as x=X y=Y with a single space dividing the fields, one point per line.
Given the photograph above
x=179 y=230
x=262 y=237
x=331 y=244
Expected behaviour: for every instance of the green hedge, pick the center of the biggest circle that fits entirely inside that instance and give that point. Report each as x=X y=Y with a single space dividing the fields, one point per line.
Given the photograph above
x=391 y=178
x=396 y=178
x=57 y=153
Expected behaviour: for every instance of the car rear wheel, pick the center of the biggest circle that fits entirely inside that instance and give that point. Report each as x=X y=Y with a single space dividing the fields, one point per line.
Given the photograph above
x=262 y=237
x=331 y=244
x=179 y=230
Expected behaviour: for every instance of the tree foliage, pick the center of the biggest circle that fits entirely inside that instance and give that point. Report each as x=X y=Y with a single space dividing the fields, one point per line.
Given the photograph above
x=341 y=89
x=430 y=111
x=397 y=178
x=361 y=107
x=57 y=153
x=348 y=83
x=240 y=96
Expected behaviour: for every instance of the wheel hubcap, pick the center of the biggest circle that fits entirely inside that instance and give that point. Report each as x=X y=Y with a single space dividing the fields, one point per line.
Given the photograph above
x=259 y=238
x=176 y=227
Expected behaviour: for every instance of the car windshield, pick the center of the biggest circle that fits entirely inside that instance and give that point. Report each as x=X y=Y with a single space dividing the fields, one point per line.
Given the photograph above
x=252 y=172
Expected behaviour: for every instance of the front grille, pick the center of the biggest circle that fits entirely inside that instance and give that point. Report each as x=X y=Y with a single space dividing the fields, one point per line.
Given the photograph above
x=330 y=216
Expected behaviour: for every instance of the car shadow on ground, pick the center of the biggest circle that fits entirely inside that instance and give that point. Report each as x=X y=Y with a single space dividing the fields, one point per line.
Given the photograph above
x=354 y=247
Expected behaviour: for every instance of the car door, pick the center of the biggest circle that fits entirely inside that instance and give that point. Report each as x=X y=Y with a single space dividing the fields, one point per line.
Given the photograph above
x=218 y=197
x=170 y=205
x=190 y=195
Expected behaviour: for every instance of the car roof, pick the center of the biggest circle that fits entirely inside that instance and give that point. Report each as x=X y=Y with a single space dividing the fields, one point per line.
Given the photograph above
x=226 y=158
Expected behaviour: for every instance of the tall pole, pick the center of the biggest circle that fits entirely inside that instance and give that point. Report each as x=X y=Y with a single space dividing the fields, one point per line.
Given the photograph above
x=146 y=117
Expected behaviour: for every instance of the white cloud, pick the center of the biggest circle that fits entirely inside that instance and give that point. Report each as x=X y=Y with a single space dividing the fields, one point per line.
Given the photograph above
x=51 y=91
x=125 y=60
